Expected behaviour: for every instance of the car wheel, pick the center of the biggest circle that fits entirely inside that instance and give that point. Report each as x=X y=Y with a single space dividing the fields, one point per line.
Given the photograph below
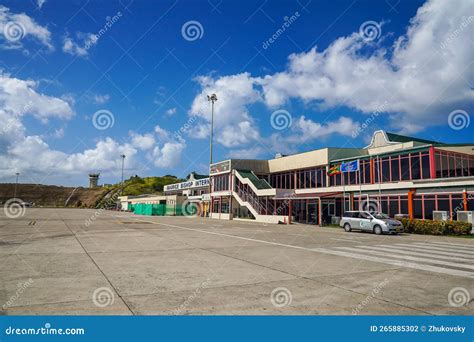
x=347 y=227
x=378 y=230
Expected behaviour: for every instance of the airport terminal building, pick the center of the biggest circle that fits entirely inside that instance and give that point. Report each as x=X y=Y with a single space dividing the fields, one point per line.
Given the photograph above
x=394 y=174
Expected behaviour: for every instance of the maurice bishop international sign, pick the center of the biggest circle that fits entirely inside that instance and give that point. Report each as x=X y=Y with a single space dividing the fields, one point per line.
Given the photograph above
x=188 y=185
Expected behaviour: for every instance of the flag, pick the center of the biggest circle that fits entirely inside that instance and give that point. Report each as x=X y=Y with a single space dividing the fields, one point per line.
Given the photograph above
x=335 y=170
x=350 y=166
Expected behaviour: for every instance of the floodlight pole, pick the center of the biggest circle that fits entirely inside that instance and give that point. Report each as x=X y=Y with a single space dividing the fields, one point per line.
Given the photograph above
x=211 y=98
x=123 y=162
x=16 y=183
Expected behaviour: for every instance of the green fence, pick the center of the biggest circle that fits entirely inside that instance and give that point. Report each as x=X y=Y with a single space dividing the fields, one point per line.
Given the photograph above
x=161 y=209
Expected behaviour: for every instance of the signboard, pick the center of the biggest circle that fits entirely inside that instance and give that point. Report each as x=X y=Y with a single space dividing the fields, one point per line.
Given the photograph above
x=187 y=185
x=350 y=166
x=220 y=167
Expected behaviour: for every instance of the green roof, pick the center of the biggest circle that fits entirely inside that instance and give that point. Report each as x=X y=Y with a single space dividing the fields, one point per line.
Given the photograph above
x=403 y=139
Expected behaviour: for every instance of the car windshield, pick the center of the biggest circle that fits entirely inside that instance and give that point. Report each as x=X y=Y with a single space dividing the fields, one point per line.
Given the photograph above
x=381 y=216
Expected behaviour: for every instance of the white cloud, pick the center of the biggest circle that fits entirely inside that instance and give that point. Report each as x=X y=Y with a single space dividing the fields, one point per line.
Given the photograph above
x=418 y=78
x=14 y=28
x=40 y=3
x=170 y=112
x=142 y=141
x=99 y=98
x=20 y=97
x=79 y=47
x=232 y=118
x=418 y=81
x=33 y=156
x=169 y=155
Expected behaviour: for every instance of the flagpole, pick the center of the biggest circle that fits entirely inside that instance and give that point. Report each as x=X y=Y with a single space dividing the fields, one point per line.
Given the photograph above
x=343 y=191
x=360 y=183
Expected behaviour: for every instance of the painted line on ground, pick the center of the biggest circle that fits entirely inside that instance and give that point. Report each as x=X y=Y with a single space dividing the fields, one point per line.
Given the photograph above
x=400 y=263
x=431 y=255
x=419 y=249
x=339 y=253
x=434 y=248
x=407 y=257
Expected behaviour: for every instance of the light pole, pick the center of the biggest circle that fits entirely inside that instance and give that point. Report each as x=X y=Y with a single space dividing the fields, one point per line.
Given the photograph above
x=123 y=162
x=211 y=98
x=16 y=183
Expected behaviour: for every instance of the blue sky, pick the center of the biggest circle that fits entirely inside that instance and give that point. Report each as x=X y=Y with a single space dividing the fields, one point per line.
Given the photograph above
x=290 y=76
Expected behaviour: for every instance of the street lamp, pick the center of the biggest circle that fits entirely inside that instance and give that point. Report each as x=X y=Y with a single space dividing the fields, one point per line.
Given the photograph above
x=123 y=162
x=16 y=183
x=211 y=98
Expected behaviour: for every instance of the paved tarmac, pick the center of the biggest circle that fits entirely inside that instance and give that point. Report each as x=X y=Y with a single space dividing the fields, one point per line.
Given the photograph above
x=87 y=262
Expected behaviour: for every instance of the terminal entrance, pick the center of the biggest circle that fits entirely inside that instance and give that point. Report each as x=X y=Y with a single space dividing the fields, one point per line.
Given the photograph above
x=305 y=211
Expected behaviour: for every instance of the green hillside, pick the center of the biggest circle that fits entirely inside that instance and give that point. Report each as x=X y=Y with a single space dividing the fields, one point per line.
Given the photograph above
x=148 y=185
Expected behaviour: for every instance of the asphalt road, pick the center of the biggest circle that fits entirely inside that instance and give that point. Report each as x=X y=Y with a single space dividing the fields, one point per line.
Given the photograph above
x=86 y=262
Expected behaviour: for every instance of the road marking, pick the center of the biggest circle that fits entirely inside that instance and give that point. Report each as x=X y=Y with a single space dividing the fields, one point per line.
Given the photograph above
x=407 y=257
x=420 y=249
x=431 y=255
x=443 y=249
x=451 y=247
x=400 y=263
x=471 y=247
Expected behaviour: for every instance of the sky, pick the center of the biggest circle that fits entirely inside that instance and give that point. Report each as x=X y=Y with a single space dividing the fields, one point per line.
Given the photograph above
x=83 y=82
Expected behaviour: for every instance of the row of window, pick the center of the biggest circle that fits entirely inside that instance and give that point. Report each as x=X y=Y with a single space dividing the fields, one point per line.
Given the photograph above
x=405 y=167
x=220 y=183
x=449 y=164
x=300 y=179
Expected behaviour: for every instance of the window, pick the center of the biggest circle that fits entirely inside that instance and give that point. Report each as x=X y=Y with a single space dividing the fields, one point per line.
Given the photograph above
x=425 y=166
x=405 y=167
x=385 y=172
x=415 y=166
x=395 y=166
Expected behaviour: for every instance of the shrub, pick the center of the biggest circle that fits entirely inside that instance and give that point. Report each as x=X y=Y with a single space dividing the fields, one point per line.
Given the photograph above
x=434 y=227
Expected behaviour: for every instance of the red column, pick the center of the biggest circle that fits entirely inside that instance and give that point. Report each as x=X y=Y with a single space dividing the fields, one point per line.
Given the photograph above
x=290 y=209
x=410 y=203
x=432 y=163
x=464 y=200
x=372 y=171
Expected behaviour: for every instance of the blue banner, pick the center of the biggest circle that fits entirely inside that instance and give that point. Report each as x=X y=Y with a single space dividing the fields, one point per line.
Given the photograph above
x=350 y=166
x=240 y=328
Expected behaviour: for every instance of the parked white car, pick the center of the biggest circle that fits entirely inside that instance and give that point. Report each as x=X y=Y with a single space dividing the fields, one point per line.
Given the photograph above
x=377 y=223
